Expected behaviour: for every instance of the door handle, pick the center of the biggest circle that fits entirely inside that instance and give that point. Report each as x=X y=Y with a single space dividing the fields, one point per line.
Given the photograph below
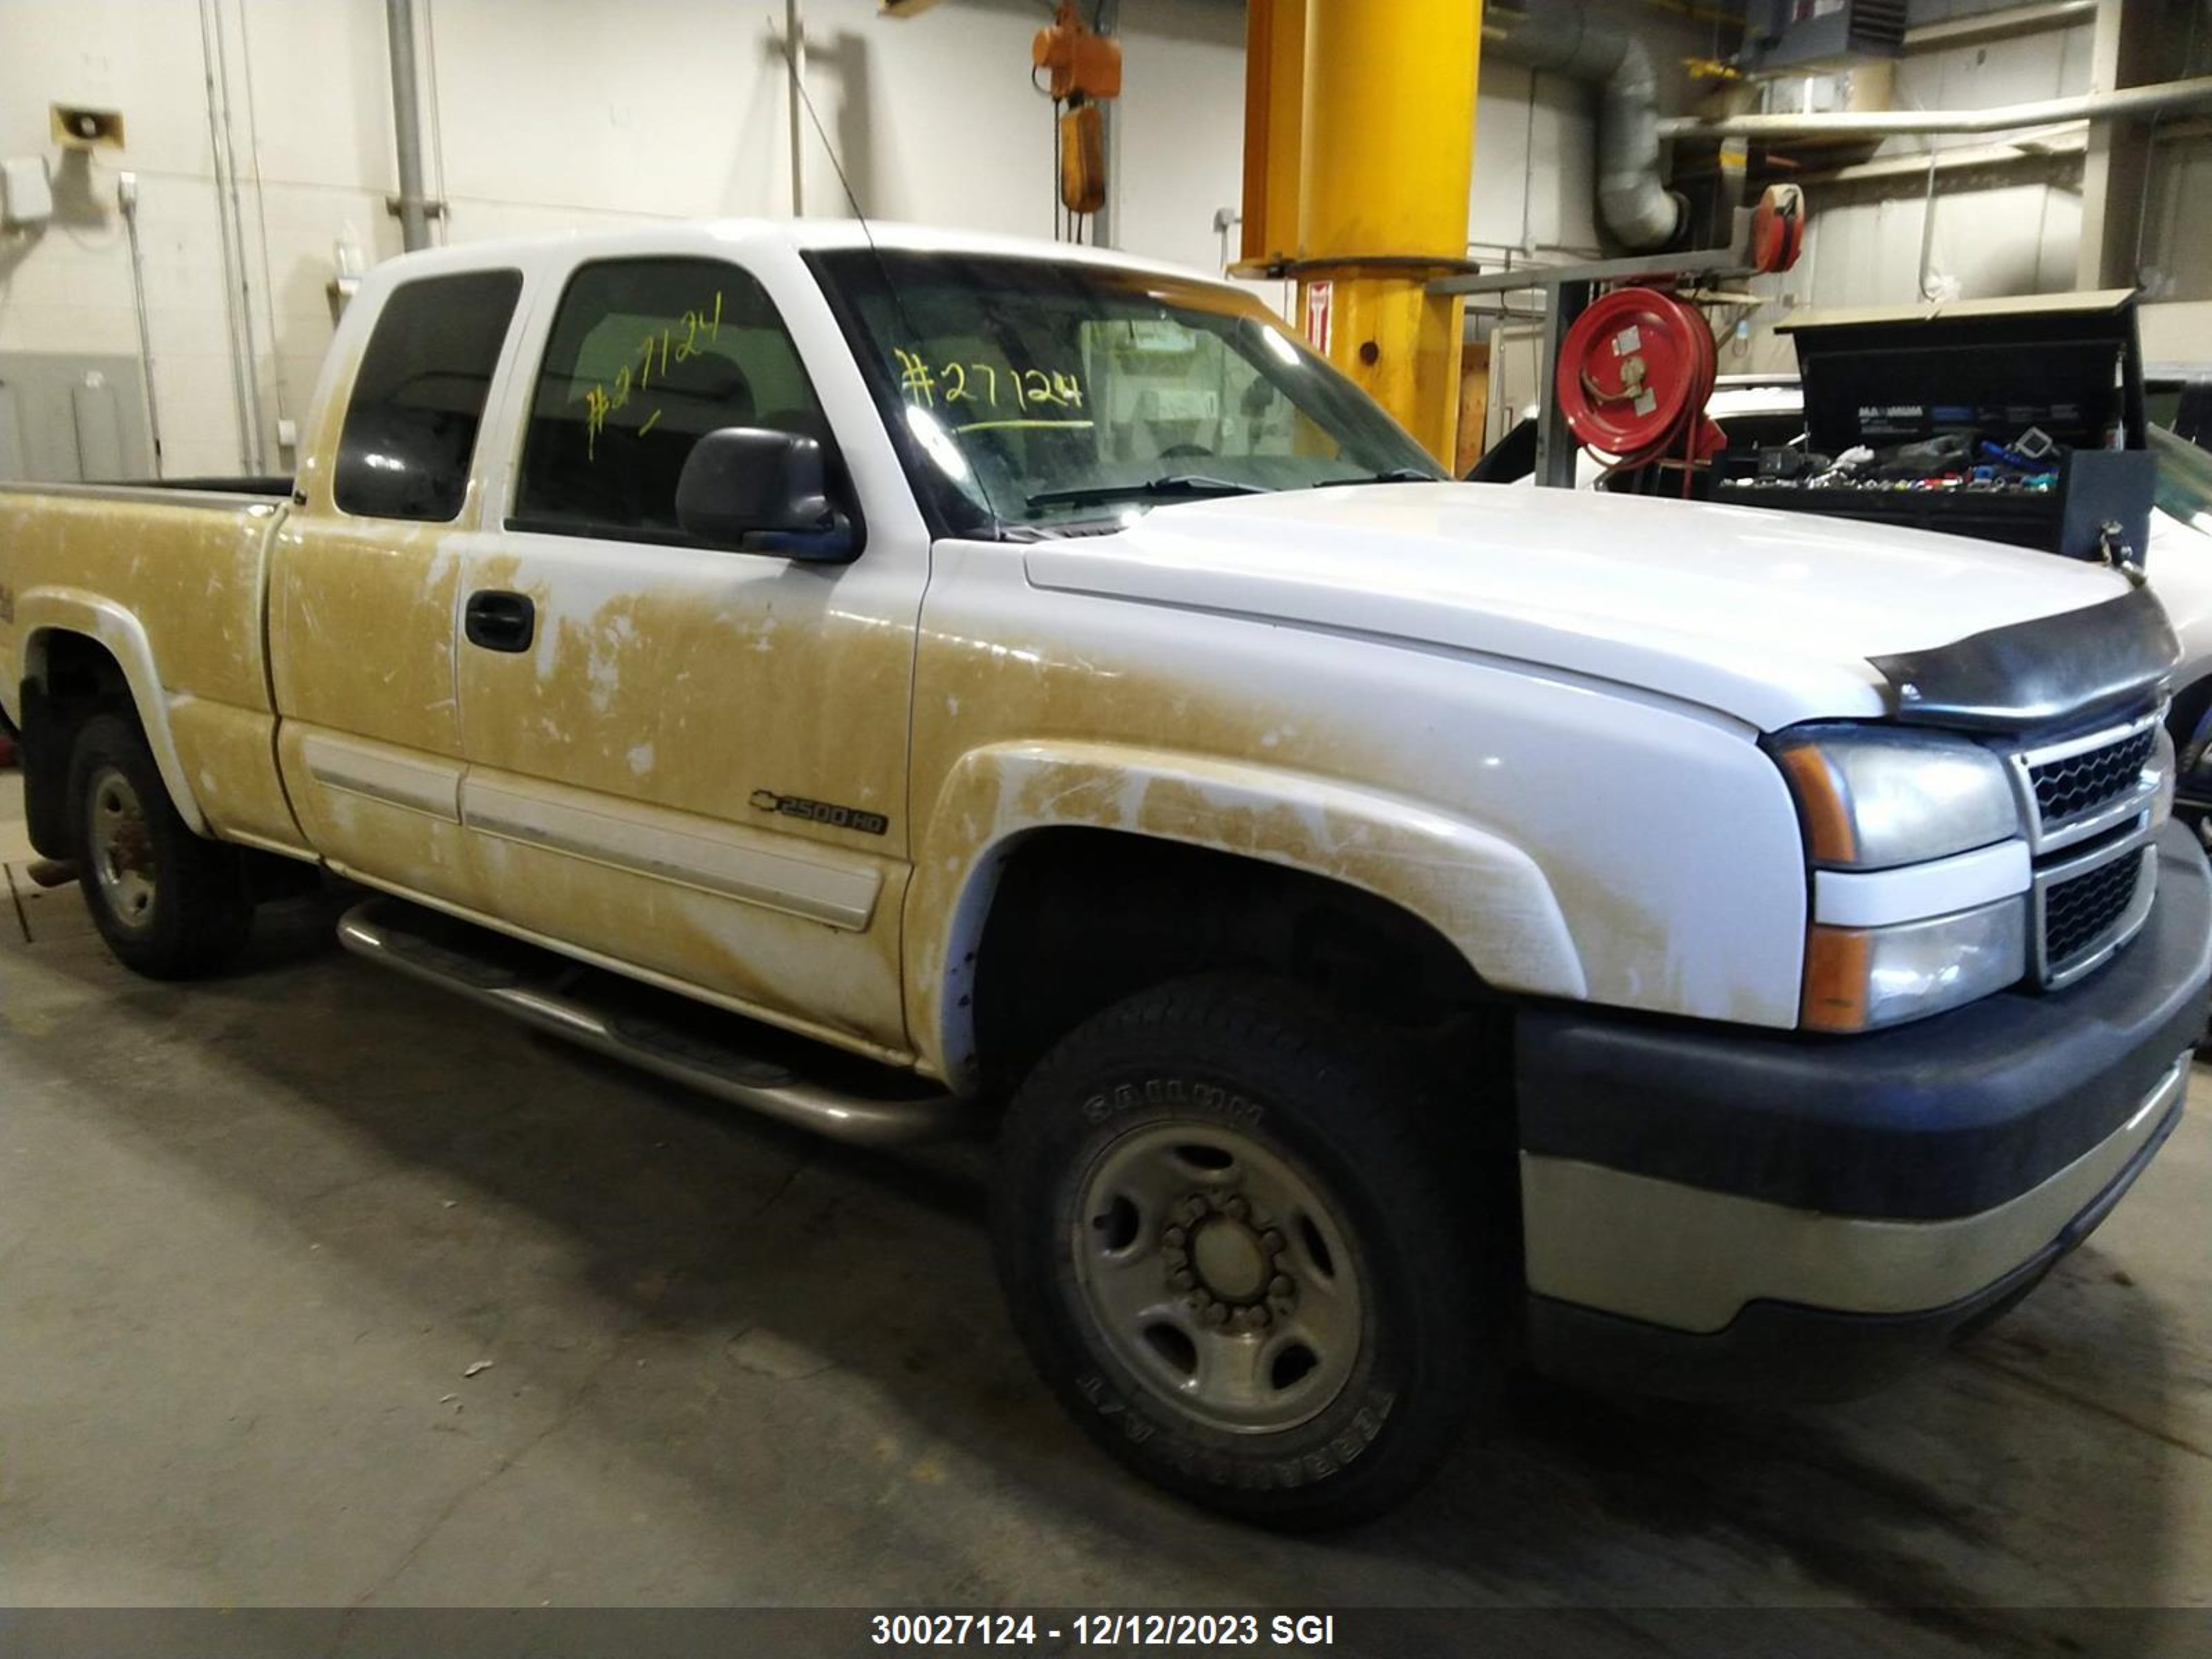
x=498 y=621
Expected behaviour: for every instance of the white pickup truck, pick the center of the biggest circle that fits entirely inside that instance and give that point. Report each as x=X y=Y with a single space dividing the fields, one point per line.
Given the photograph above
x=1401 y=929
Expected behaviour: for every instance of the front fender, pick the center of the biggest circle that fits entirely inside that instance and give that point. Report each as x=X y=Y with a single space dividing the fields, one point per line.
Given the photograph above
x=44 y=612
x=1483 y=894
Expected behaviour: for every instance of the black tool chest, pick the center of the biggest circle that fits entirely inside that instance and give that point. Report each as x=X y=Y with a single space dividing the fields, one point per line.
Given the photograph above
x=2018 y=420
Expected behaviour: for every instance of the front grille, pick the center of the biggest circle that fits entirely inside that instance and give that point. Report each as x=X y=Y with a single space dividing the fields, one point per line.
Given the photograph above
x=2087 y=803
x=2080 y=914
x=2078 y=785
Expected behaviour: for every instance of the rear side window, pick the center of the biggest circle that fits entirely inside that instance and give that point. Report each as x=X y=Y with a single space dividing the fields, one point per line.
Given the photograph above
x=647 y=357
x=419 y=399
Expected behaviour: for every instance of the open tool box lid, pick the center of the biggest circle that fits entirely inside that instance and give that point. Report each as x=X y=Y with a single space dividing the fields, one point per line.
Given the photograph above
x=2067 y=365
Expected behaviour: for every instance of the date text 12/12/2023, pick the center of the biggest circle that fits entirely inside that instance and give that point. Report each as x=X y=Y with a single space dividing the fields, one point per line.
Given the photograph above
x=1277 y=1632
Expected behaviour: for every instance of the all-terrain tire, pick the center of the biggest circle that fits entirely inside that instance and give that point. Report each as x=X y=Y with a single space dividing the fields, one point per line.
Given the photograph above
x=1314 y=1111
x=169 y=903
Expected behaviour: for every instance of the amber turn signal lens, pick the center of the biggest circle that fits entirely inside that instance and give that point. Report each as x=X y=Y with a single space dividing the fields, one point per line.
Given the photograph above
x=1836 y=963
x=1829 y=837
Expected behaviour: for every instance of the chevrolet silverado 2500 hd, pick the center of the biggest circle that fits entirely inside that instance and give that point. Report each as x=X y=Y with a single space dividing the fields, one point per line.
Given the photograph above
x=1418 y=926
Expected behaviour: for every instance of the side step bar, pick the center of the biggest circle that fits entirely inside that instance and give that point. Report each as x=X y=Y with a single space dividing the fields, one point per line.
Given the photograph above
x=656 y=1032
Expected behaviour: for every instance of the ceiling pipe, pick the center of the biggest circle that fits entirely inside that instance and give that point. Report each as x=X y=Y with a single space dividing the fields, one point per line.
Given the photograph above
x=407 y=125
x=1561 y=38
x=795 y=57
x=2127 y=102
x=245 y=393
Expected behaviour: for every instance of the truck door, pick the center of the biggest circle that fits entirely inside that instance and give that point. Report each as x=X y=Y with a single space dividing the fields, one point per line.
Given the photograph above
x=686 y=759
x=365 y=580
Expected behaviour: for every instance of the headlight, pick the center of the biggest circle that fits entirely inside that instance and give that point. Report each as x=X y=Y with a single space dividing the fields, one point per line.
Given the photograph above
x=1856 y=978
x=1871 y=798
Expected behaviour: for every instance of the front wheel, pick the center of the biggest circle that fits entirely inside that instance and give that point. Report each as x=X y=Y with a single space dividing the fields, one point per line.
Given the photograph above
x=1225 y=1226
x=168 y=902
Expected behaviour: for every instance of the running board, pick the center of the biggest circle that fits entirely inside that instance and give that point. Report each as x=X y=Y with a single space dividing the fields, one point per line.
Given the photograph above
x=656 y=1032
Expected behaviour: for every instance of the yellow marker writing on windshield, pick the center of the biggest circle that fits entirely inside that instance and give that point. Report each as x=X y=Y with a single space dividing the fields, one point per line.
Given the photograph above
x=921 y=381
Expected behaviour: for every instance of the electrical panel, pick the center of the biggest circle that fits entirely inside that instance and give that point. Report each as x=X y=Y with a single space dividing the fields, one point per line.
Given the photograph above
x=69 y=417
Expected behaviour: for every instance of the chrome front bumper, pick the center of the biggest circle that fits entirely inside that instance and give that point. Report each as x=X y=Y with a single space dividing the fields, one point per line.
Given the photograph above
x=1690 y=1259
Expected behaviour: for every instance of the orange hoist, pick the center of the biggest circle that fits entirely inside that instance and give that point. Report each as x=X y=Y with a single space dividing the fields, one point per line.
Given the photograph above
x=1081 y=68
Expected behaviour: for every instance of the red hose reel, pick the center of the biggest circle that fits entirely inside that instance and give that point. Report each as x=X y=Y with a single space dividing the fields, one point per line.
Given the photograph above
x=1635 y=370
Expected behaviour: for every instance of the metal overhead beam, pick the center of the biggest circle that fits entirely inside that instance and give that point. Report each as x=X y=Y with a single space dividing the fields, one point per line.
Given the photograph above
x=1699 y=263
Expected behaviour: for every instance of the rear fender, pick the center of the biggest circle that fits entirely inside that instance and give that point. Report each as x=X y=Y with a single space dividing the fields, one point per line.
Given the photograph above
x=44 y=612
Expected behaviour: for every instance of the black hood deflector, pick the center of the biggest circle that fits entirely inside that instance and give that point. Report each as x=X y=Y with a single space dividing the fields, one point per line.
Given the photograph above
x=2071 y=667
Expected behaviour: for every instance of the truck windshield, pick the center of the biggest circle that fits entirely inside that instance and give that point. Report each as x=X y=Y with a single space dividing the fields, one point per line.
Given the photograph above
x=1039 y=393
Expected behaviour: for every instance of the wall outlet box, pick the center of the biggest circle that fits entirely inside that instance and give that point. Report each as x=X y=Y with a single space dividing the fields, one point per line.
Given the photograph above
x=26 y=194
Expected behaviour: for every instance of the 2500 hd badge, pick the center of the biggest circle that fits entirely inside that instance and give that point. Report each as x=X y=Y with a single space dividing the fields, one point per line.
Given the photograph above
x=821 y=812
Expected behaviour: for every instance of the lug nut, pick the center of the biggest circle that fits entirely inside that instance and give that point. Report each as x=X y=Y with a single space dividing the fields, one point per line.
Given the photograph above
x=1281 y=1285
x=1191 y=1209
x=1236 y=1209
x=1183 y=1278
x=1273 y=1241
x=1173 y=1237
x=1215 y=1314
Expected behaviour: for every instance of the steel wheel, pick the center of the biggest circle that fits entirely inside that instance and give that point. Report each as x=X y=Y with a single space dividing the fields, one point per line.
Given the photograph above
x=121 y=845
x=1217 y=1272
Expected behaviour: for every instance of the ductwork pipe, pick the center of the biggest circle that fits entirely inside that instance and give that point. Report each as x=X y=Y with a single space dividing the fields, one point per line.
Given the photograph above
x=2127 y=102
x=1560 y=37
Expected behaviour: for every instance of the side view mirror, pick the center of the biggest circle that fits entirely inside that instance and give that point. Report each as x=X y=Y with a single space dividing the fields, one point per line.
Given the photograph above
x=762 y=492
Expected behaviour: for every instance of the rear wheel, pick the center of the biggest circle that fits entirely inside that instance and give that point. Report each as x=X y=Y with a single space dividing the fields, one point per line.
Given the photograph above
x=168 y=903
x=1225 y=1226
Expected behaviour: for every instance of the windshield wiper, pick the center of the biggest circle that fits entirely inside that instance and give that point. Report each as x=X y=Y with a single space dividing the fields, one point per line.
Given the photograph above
x=1389 y=475
x=1174 y=487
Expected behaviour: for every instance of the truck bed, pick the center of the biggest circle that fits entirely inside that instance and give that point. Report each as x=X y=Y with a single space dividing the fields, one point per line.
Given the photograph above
x=167 y=582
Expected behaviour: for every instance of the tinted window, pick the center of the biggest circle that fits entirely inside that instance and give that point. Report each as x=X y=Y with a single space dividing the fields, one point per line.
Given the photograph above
x=646 y=357
x=419 y=397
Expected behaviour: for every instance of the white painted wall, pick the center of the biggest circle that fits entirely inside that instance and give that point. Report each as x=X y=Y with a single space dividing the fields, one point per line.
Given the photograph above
x=1990 y=235
x=551 y=114
x=1992 y=231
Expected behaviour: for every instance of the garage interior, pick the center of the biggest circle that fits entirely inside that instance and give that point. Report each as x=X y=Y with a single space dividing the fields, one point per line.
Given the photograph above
x=319 y=1288
x=259 y=1234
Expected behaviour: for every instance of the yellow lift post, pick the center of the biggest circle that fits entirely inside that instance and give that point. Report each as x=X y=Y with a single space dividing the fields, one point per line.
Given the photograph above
x=1358 y=155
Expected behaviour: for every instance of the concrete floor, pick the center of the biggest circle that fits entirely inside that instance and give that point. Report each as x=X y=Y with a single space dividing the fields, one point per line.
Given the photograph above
x=256 y=1233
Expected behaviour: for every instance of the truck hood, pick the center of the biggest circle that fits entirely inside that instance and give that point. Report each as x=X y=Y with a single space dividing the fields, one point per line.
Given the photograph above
x=1771 y=617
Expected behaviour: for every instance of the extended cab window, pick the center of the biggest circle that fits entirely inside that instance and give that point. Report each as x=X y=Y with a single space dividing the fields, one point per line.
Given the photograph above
x=645 y=358
x=418 y=398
